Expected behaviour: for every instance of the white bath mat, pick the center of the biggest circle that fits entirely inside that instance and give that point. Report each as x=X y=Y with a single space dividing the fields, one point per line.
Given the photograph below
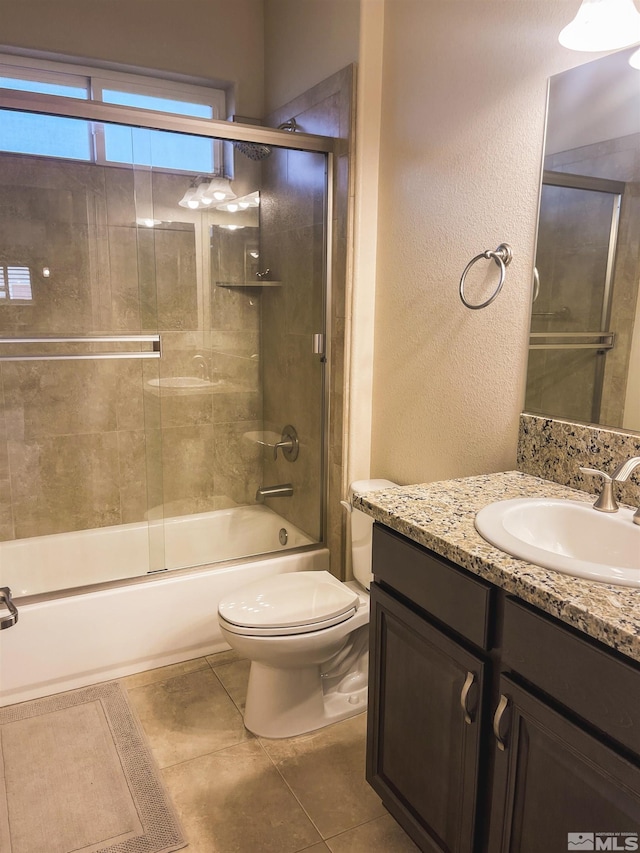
x=76 y=774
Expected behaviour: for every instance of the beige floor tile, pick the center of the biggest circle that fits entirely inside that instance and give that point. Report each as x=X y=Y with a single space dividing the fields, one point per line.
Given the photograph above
x=221 y=658
x=382 y=834
x=187 y=716
x=234 y=801
x=234 y=678
x=162 y=673
x=325 y=770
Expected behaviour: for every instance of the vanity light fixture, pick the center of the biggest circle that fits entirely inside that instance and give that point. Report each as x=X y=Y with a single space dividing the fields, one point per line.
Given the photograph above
x=634 y=59
x=602 y=25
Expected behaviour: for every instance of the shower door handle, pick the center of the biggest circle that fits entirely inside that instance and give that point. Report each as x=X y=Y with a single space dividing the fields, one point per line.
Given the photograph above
x=317 y=347
x=154 y=352
x=12 y=618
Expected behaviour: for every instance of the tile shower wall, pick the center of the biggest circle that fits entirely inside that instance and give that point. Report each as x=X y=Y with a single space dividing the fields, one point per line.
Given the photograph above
x=326 y=109
x=292 y=243
x=91 y=443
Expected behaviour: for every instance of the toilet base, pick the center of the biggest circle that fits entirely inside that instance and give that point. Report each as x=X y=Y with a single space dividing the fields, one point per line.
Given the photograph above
x=287 y=702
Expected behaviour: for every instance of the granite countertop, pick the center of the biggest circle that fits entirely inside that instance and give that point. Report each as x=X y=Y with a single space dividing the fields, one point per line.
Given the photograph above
x=441 y=517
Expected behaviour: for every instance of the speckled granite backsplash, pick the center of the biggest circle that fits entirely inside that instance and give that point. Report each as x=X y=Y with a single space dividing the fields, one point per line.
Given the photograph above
x=555 y=450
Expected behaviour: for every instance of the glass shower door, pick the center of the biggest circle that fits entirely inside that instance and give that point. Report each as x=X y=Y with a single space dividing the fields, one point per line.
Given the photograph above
x=79 y=337
x=160 y=347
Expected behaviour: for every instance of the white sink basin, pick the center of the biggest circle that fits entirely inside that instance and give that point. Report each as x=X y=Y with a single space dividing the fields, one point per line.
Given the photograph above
x=567 y=536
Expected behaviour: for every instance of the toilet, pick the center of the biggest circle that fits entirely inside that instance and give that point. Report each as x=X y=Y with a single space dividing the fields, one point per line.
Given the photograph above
x=307 y=637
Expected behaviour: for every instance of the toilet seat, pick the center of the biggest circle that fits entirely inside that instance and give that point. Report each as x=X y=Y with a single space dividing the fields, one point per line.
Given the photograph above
x=291 y=603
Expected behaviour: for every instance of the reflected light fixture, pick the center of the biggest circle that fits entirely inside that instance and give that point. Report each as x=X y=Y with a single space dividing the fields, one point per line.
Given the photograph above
x=189 y=198
x=602 y=25
x=634 y=59
x=242 y=203
x=218 y=189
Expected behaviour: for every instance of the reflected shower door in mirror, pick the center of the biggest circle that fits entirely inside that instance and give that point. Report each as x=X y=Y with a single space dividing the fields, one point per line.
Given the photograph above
x=155 y=340
x=584 y=358
x=577 y=236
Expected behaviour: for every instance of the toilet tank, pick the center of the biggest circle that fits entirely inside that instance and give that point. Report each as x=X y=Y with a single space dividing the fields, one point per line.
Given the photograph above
x=362 y=531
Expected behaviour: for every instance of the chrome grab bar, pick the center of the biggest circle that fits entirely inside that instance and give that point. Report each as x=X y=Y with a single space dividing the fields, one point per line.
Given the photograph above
x=12 y=618
x=561 y=314
x=606 y=342
x=154 y=352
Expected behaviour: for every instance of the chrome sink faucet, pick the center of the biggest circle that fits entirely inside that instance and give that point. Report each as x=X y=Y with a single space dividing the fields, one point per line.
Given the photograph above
x=606 y=501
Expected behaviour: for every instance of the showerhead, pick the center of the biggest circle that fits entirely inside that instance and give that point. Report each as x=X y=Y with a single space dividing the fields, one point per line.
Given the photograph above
x=253 y=150
x=257 y=150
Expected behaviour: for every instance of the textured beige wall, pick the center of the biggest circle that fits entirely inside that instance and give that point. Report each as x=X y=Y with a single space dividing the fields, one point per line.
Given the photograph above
x=464 y=92
x=212 y=39
x=305 y=42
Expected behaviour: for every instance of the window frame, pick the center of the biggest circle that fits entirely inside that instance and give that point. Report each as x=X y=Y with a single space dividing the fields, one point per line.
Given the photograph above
x=96 y=80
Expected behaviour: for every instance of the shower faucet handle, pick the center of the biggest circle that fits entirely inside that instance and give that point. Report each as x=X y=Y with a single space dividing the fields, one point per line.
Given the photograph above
x=288 y=443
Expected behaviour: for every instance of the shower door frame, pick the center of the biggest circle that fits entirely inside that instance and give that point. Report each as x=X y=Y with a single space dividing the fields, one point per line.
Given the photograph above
x=583 y=340
x=215 y=129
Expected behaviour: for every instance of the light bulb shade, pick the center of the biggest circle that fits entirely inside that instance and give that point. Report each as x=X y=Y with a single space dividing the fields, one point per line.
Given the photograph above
x=634 y=59
x=219 y=189
x=602 y=25
x=188 y=199
x=201 y=195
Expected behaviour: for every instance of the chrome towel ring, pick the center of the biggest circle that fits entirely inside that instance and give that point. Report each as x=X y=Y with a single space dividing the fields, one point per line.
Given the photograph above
x=502 y=256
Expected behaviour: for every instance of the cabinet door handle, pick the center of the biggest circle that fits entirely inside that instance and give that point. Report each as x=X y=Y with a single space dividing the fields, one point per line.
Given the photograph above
x=468 y=697
x=502 y=708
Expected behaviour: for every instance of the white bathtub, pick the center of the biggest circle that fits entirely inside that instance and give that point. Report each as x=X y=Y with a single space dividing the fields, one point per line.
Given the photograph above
x=65 y=642
x=67 y=560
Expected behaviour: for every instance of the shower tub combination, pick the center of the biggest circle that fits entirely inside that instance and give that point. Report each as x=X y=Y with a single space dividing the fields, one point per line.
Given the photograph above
x=129 y=624
x=92 y=434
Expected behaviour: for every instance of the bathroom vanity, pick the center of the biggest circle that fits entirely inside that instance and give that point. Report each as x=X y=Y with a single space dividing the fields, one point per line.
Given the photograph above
x=504 y=699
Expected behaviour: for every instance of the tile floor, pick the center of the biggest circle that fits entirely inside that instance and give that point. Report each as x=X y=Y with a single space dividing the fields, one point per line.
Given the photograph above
x=236 y=793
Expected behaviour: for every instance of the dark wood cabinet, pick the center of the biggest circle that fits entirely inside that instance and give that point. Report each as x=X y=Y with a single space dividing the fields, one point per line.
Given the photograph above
x=493 y=727
x=425 y=684
x=553 y=781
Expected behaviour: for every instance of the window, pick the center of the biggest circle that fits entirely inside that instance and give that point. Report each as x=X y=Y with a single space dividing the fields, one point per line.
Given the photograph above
x=15 y=284
x=77 y=139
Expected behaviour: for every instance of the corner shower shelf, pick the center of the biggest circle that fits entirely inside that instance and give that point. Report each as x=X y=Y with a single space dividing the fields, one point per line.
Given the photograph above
x=248 y=283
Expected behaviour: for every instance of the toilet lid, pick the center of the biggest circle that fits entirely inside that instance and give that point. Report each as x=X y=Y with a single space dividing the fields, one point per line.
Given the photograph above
x=289 y=600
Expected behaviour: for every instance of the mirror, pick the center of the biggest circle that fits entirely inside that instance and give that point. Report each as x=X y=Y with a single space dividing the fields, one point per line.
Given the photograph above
x=584 y=355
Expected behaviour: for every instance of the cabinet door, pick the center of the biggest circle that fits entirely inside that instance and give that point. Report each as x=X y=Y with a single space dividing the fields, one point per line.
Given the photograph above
x=424 y=722
x=557 y=787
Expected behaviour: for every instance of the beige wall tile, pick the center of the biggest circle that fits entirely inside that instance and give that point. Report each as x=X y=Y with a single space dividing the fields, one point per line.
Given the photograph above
x=66 y=482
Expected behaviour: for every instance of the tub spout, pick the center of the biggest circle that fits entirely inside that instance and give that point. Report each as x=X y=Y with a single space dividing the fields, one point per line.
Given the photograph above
x=285 y=490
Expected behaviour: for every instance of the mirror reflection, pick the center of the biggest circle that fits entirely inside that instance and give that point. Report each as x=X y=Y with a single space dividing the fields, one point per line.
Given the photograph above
x=584 y=356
